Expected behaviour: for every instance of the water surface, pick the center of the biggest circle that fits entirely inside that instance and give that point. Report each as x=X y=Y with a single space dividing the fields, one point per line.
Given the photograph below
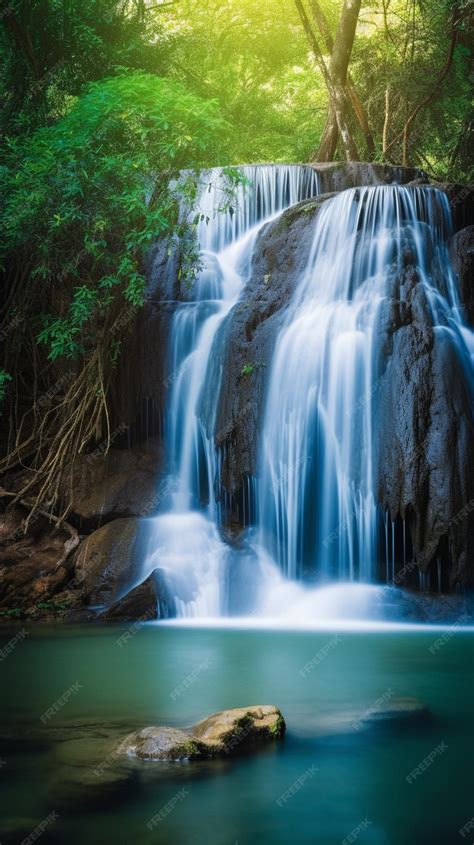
x=163 y=674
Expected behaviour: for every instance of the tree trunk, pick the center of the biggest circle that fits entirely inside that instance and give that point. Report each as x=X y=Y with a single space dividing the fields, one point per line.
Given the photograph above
x=336 y=90
x=344 y=41
x=328 y=143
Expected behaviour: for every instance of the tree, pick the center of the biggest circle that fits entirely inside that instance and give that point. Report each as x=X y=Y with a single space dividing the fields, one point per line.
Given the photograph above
x=84 y=200
x=335 y=78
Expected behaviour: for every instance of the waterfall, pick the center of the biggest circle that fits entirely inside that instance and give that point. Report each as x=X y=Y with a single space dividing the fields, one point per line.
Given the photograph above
x=317 y=505
x=184 y=542
x=318 y=518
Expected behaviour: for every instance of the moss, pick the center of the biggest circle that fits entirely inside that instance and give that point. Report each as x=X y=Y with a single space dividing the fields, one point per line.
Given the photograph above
x=307 y=207
x=277 y=729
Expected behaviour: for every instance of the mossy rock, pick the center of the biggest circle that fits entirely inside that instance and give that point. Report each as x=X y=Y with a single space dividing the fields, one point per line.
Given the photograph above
x=220 y=735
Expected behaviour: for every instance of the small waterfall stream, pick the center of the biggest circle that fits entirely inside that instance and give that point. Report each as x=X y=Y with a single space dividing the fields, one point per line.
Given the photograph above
x=184 y=541
x=317 y=510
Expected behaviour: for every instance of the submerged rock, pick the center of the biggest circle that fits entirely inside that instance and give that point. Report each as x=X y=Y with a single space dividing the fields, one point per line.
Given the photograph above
x=395 y=711
x=222 y=734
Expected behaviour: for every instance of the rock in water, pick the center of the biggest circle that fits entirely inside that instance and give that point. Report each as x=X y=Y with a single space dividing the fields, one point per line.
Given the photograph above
x=396 y=711
x=234 y=730
x=161 y=743
x=106 y=562
x=223 y=733
x=140 y=605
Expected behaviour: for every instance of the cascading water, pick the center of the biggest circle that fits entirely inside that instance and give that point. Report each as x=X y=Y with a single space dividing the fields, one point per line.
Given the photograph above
x=317 y=511
x=316 y=499
x=184 y=541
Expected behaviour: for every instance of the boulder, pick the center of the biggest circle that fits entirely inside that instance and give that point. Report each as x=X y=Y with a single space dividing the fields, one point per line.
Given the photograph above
x=120 y=483
x=230 y=731
x=222 y=734
x=140 y=604
x=107 y=562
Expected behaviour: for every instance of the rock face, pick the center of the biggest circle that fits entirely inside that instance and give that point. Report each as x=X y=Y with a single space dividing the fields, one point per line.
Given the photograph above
x=338 y=176
x=462 y=253
x=28 y=562
x=461 y=201
x=106 y=563
x=425 y=464
x=225 y=733
x=118 y=484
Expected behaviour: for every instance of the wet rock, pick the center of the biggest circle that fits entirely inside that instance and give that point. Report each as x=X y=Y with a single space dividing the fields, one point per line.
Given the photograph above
x=462 y=252
x=222 y=734
x=408 y=606
x=230 y=731
x=338 y=176
x=425 y=440
x=140 y=604
x=162 y=743
x=461 y=201
x=107 y=562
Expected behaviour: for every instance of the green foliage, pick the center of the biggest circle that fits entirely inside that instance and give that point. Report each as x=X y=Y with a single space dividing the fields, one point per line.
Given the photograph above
x=247 y=370
x=253 y=59
x=4 y=379
x=86 y=197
